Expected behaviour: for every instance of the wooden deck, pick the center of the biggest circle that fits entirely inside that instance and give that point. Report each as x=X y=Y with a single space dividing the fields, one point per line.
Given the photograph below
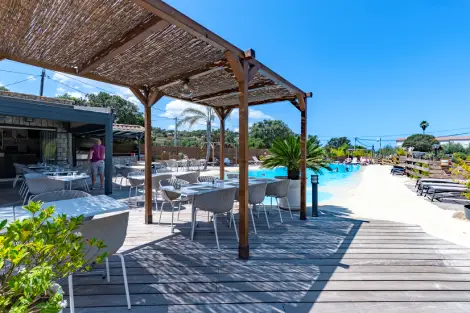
x=331 y=264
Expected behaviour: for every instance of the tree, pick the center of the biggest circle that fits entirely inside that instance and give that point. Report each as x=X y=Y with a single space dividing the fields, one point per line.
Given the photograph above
x=192 y=116
x=286 y=153
x=125 y=111
x=76 y=101
x=386 y=151
x=337 y=142
x=267 y=131
x=2 y=88
x=424 y=125
x=452 y=148
x=420 y=142
x=314 y=139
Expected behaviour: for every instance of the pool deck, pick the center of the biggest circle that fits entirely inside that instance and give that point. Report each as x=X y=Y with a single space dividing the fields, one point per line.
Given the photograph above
x=329 y=264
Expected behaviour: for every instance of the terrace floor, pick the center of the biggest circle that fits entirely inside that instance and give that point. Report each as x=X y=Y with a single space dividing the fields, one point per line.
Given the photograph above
x=329 y=264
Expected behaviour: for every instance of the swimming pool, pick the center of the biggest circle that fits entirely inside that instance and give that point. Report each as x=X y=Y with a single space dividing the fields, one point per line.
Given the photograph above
x=327 y=178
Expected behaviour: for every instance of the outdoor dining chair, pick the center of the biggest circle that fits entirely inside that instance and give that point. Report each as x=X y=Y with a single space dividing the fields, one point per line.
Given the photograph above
x=27 y=173
x=256 y=194
x=60 y=195
x=112 y=231
x=135 y=181
x=233 y=175
x=190 y=177
x=40 y=185
x=156 y=185
x=206 y=179
x=279 y=190
x=19 y=171
x=216 y=202
x=171 y=197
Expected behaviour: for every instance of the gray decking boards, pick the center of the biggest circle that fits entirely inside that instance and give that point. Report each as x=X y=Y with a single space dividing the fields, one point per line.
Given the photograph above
x=331 y=264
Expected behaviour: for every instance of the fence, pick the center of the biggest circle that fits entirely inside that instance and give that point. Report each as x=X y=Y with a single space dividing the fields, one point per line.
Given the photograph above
x=419 y=168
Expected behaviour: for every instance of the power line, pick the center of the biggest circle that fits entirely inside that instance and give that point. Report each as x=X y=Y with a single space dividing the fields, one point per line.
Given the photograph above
x=66 y=85
x=20 y=81
x=22 y=73
x=78 y=80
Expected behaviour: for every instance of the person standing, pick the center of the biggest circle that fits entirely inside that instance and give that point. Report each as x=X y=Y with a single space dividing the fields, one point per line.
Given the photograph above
x=96 y=157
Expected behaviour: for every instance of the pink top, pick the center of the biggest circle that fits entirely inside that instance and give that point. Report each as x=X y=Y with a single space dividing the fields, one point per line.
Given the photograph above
x=98 y=153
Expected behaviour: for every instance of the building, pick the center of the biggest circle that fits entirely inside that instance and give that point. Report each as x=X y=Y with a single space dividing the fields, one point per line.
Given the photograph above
x=463 y=140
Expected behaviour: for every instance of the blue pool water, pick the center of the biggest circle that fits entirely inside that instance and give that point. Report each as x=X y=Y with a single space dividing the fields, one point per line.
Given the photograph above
x=327 y=178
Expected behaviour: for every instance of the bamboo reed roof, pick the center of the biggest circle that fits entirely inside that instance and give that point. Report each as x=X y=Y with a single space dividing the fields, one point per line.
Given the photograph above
x=133 y=43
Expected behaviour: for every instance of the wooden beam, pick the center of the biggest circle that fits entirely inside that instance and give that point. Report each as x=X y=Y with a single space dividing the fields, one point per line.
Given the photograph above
x=303 y=163
x=296 y=104
x=127 y=41
x=278 y=79
x=230 y=92
x=236 y=65
x=190 y=75
x=177 y=18
x=154 y=96
x=253 y=70
x=139 y=95
x=301 y=101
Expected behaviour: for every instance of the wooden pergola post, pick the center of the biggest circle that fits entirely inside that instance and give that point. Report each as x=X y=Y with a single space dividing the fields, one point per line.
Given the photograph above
x=243 y=74
x=302 y=101
x=222 y=113
x=148 y=98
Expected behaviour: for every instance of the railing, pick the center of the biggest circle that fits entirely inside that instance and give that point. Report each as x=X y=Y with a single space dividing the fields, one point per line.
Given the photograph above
x=418 y=168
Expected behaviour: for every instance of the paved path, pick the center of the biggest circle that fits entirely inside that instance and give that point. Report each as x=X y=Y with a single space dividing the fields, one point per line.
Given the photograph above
x=331 y=264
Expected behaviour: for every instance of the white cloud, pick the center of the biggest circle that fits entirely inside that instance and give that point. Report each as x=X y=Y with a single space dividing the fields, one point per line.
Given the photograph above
x=1 y=84
x=252 y=113
x=176 y=107
x=236 y=130
x=171 y=127
x=60 y=91
x=60 y=77
x=31 y=77
x=127 y=94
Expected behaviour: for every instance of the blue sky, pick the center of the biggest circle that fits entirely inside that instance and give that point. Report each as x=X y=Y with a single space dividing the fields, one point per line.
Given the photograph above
x=376 y=68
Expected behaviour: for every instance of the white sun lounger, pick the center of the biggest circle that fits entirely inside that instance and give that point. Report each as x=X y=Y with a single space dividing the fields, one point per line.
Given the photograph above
x=433 y=180
x=424 y=187
x=435 y=191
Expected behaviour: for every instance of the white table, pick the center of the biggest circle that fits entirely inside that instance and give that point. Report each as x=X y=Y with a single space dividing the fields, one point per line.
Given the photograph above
x=192 y=190
x=70 y=179
x=61 y=172
x=88 y=206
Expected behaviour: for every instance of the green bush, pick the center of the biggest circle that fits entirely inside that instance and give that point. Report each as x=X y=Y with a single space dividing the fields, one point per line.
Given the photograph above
x=37 y=252
x=420 y=142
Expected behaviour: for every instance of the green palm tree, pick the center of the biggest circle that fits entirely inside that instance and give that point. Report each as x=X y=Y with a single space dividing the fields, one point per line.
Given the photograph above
x=286 y=153
x=193 y=116
x=424 y=125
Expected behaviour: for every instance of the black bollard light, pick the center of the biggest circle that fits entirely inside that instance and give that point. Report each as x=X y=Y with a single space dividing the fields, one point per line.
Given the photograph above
x=314 y=181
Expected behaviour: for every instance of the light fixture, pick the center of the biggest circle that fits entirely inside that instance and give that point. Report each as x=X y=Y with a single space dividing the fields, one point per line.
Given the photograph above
x=186 y=91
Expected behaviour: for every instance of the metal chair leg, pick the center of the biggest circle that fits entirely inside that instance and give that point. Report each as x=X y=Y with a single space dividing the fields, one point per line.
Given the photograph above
x=126 y=286
x=193 y=226
x=214 y=221
x=279 y=208
x=253 y=220
x=161 y=210
x=172 y=216
x=234 y=226
x=266 y=214
x=71 y=300
x=179 y=210
x=108 y=279
x=288 y=205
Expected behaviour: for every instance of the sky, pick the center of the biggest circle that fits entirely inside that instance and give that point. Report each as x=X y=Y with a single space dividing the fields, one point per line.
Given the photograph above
x=375 y=68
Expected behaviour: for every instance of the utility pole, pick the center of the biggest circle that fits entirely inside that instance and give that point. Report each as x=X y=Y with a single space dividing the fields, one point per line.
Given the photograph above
x=43 y=76
x=175 y=136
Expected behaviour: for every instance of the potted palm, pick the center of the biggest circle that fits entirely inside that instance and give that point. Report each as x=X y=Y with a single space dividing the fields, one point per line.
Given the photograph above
x=286 y=153
x=36 y=254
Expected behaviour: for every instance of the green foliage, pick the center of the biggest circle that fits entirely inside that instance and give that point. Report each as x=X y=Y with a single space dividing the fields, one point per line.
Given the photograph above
x=314 y=139
x=359 y=153
x=255 y=143
x=462 y=169
x=37 y=252
x=337 y=142
x=339 y=152
x=400 y=151
x=457 y=156
x=420 y=142
x=286 y=152
x=424 y=125
x=451 y=148
x=386 y=151
x=125 y=111
x=264 y=133
x=2 y=88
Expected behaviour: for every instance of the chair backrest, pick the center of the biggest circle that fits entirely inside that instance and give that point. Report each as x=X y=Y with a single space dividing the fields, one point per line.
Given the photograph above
x=233 y=175
x=255 y=158
x=43 y=184
x=163 y=170
x=256 y=193
x=19 y=168
x=60 y=195
x=133 y=180
x=171 y=163
x=206 y=179
x=111 y=229
x=278 y=189
x=157 y=178
x=219 y=201
x=169 y=195
x=33 y=175
x=190 y=177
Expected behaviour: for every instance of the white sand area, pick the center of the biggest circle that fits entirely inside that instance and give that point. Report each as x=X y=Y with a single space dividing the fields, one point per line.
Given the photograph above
x=379 y=195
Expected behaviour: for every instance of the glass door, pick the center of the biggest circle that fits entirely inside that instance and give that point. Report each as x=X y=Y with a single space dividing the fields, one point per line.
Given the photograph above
x=48 y=146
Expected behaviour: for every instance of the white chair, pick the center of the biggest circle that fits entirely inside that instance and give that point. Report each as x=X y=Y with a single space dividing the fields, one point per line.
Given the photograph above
x=112 y=231
x=171 y=197
x=279 y=190
x=216 y=202
x=256 y=194
x=40 y=185
x=156 y=185
x=190 y=177
x=135 y=181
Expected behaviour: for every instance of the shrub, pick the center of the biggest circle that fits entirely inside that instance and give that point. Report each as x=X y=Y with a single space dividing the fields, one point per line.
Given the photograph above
x=37 y=252
x=420 y=142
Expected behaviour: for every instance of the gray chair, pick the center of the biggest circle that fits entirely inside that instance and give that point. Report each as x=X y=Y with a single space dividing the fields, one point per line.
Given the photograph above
x=163 y=170
x=172 y=164
x=135 y=181
x=206 y=179
x=60 y=195
x=233 y=175
x=19 y=172
x=171 y=197
x=156 y=185
x=41 y=185
x=256 y=194
x=31 y=174
x=190 y=177
x=216 y=202
x=279 y=190
x=112 y=231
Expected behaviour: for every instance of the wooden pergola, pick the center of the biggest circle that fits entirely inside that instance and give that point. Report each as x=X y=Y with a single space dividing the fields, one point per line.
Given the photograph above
x=153 y=49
